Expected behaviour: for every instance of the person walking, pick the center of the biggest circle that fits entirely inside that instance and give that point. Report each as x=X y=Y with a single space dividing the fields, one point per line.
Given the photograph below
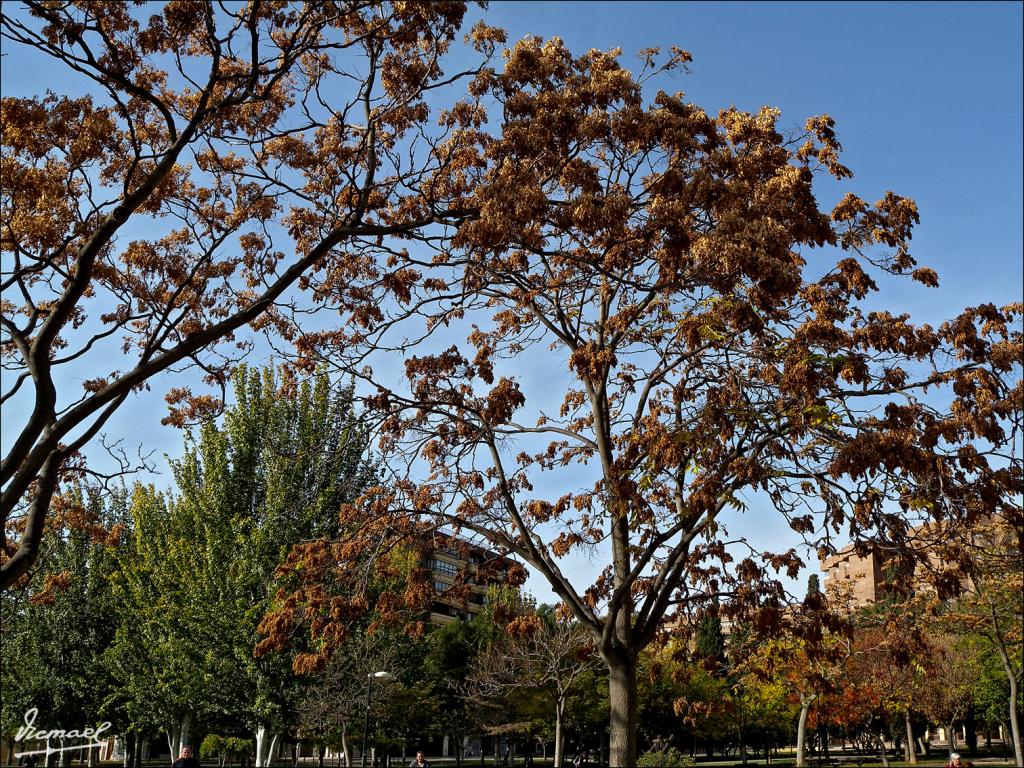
x=186 y=759
x=420 y=761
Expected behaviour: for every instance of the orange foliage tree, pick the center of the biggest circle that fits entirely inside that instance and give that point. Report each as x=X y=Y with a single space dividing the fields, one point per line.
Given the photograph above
x=668 y=267
x=991 y=569
x=227 y=154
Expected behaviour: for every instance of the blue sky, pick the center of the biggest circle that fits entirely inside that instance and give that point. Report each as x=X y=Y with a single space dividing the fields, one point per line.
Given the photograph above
x=926 y=96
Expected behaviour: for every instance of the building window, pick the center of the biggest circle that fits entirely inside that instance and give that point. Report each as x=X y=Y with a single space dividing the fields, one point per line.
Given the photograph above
x=443 y=566
x=440 y=586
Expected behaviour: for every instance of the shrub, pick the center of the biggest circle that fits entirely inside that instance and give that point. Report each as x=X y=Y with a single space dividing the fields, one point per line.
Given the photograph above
x=211 y=747
x=668 y=758
x=239 y=749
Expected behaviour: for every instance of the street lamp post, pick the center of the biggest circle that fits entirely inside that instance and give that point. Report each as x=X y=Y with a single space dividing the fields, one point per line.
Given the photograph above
x=382 y=677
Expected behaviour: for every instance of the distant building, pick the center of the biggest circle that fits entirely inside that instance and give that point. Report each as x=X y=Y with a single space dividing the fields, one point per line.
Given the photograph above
x=462 y=573
x=862 y=575
x=865 y=575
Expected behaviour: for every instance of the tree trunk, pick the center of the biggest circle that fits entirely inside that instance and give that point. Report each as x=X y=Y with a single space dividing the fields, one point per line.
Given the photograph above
x=881 y=750
x=911 y=752
x=265 y=743
x=1015 y=732
x=320 y=757
x=344 y=747
x=801 y=732
x=177 y=735
x=741 y=730
x=174 y=741
x=950 y=741
x=186 y=732
x=559 y=710
x=622 y=700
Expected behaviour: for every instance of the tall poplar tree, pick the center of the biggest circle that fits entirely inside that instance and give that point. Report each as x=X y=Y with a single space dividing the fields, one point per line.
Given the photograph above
x=273 y=474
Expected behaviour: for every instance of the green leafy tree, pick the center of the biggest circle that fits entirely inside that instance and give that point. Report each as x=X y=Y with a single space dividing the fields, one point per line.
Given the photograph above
x=992 y=690
x=993 y=607
x=164 y=675
x=288 y=454
x=661 y=684
x=813 y=585
x=770 y=714
x=710 y=644
x=451 y=653
x=708 y=705
x=947 y=694
x=56 y=626
x=200 y=572
x=586 y=710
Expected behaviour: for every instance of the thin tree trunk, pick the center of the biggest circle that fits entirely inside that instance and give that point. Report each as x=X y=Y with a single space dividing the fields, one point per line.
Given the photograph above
x=186 y=732
x=1015 y=731
x=320 y=756
x=881 y=750
x=265 y=744
x=344 y=746
x=129 y=750
x=911 y=752
x=622 y=699
x=801 y=732
x=950 y=741
x=174 y=740
x=559 y=708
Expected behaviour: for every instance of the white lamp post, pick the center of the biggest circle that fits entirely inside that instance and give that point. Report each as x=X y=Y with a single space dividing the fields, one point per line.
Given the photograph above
x=381 y=677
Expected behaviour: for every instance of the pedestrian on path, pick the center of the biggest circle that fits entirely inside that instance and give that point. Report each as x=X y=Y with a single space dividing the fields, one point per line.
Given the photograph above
x=185 y=759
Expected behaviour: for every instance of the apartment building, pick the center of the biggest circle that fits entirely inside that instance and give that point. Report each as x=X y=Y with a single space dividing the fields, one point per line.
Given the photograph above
x=462 y=573
x=861 y=575
x=864 y=576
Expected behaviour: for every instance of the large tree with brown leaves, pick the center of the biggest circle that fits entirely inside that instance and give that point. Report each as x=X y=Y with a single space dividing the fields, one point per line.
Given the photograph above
x=701 y=320
x=226 y=154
